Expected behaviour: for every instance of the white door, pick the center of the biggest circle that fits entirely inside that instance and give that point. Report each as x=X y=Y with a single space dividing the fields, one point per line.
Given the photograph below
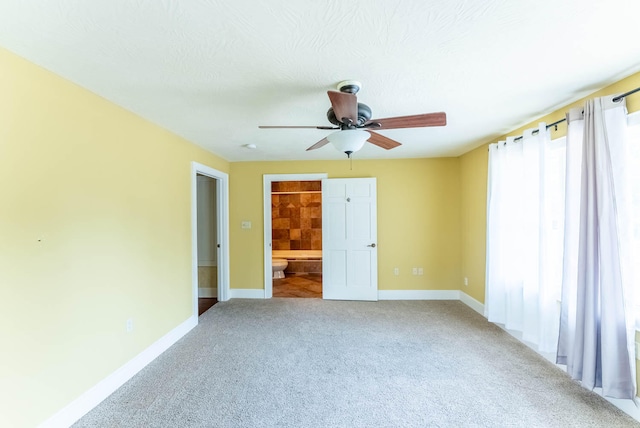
x=349 y=234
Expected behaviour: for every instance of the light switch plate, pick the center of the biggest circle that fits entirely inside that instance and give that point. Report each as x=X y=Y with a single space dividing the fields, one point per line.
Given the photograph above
x=246 y=225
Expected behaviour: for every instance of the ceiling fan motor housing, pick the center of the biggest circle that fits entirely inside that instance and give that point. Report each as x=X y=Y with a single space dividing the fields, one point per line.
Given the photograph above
x=349 y=86
x=364 y=114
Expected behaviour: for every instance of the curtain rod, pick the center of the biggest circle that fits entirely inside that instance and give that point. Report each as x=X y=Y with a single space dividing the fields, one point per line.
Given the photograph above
x=551 y=125
x=619 y=97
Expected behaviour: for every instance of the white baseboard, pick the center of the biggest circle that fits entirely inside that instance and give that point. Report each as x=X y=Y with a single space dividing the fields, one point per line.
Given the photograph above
x=257 y=293
x=93 y=396
x=418 y=295
x=472 y=303
x=246 y=293
x=208 y=292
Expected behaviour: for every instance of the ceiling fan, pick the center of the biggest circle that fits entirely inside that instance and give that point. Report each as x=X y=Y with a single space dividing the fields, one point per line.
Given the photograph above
x=354 y=125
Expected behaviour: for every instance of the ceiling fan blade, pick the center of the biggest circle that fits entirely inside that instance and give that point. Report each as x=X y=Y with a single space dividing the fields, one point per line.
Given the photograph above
x=382 y=141
x=297 y=127
x=319 y=144
x=344 y=105
x=415 y=121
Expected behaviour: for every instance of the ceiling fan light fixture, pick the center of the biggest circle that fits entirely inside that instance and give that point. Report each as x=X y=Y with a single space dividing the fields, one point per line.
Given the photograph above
x=348 y=140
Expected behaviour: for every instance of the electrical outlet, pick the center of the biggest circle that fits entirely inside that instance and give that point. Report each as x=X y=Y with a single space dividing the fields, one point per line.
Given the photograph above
x=396 y=271
x=129 y=325
x=420 y=271
x=414 y=271
x=246 y=225
x=466 y=281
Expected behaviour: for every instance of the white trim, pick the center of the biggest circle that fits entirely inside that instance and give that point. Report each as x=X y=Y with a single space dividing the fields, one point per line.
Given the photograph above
x=267 y=179
x=472 y=303
x=222 y=208
x=79 y=407
x=418 y=295
x=208 y=292
x=246 y=293
x=222 y=193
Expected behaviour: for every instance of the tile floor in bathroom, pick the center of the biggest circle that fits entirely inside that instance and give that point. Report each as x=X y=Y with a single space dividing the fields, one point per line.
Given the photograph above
x=305 y=285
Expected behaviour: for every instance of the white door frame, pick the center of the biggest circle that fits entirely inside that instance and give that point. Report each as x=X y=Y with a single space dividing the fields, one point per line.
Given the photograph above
x=267 y=179
x=222 y=228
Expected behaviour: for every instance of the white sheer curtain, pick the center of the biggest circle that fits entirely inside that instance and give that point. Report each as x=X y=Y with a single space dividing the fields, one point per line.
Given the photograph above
x=521 y=285
x=597 y=324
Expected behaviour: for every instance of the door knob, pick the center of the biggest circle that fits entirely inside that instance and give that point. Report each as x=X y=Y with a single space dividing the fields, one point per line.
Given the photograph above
x=372 y=245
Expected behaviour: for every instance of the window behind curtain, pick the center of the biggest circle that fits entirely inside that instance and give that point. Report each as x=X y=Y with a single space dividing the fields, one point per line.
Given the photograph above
x=555 y=177
x=554 y=222
x=634 y=172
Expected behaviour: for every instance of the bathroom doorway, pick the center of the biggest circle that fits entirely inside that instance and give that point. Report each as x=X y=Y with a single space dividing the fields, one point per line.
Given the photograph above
x=293 y=235
x=296 y=238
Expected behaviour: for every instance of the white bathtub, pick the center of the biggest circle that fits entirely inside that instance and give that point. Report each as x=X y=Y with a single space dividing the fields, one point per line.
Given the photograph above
x=297 y=254
x=300 y=261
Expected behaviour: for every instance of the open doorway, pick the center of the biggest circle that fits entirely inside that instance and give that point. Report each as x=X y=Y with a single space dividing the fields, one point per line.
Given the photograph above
x=207 y=225
x=210 y=237
x=296 y=238
x=293 y=261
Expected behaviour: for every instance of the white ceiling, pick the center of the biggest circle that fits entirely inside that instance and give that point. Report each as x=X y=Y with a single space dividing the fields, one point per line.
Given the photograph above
x=213 y=70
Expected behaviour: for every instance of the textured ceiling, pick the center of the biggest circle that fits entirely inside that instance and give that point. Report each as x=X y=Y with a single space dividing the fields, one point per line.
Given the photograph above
x=212 y=71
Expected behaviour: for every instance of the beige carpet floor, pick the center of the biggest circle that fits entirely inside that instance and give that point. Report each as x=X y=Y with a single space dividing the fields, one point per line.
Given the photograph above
x=315 y=363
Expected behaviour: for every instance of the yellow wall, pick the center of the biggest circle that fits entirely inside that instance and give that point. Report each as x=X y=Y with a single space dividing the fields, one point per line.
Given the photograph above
x=418 y=218
x=94 y=229
x=474 y=187
x=473 y=218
